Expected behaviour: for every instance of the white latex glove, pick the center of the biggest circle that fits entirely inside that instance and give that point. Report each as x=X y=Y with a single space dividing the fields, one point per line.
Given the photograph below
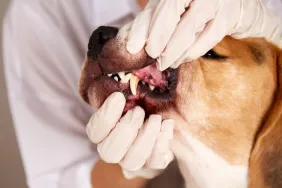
x=141 y=148
x=174 y=38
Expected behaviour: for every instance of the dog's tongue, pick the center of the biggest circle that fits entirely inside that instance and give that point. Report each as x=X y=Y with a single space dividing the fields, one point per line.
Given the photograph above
x=151 y=75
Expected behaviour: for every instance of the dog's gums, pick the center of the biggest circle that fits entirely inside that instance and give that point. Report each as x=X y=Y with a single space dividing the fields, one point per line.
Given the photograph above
x=137 y=84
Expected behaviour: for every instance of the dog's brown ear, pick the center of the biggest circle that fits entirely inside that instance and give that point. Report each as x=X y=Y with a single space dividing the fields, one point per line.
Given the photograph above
x=265 y=165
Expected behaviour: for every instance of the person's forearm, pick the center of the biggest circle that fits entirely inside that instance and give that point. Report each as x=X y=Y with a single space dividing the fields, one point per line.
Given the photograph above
x=142 y=3
x=105 y=175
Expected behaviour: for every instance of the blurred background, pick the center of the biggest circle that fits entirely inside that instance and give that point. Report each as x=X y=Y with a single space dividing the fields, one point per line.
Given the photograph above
x=11 y=170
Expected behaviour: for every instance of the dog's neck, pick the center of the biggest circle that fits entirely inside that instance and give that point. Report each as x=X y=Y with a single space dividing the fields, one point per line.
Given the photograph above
x=229 y=135
x=203 y=168
x=228 y=141
x=210 y=155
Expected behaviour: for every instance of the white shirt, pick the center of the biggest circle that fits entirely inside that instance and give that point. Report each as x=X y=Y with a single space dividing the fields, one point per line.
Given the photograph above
x=44 y=45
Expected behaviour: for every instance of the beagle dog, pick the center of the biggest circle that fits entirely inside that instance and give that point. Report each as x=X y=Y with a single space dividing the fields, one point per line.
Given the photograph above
x=228 y=103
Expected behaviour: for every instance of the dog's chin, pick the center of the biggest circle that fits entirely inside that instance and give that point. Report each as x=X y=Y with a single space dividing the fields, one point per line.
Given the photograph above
x=154 y=95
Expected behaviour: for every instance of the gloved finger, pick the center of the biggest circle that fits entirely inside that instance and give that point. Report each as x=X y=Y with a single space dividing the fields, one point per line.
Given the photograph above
x=192 y=23
x=263 y=21
x=162 y=155
x=209 y=37
x=144 y=172
x=164 y=21
x=105 y=119
x=253 y=18
x=142 y=147
x=140 y=28
x=113 y=148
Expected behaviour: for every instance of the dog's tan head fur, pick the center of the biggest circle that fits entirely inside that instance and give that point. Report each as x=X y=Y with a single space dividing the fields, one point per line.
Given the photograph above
x=223 y=101
x=265 y=164
x=225 y=98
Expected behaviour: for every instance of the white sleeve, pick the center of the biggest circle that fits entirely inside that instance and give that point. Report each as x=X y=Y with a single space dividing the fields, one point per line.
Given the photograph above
x=44 y=45
x=274 y=5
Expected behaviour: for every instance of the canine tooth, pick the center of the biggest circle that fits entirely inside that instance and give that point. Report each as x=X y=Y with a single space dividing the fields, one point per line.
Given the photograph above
x=126 y=78
x=133 y=84
x=121 y=75
x=116 y=78
x=109 y=75
x=143 y=83
x=151 y=87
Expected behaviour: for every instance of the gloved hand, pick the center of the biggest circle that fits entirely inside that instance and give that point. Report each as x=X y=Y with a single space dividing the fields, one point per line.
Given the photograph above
x=141 y=148
x=183 y=30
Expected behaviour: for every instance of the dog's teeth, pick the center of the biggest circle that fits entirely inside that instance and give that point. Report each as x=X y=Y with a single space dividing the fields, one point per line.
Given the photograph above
x=121 y=75
x=116 y=78
x=133 y=84
x=151 y=87
x=109 y=75
x=143 y=83
x=126 y=78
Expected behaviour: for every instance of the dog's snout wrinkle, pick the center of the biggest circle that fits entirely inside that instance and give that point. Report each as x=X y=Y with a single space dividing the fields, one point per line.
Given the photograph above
x=89 y=74
x=98 y=39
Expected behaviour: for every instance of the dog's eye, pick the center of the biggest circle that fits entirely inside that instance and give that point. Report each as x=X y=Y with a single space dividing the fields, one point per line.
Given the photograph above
x=213 y=55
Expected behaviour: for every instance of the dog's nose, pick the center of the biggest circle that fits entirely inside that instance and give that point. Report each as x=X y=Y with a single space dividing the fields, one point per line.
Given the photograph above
x=98 y=39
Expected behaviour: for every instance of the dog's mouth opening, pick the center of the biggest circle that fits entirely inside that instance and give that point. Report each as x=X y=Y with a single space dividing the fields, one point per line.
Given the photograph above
x=146 y=86
x=109 y=68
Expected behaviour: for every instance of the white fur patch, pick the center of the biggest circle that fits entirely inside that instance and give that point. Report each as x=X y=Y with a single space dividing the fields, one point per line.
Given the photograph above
x=203 y=168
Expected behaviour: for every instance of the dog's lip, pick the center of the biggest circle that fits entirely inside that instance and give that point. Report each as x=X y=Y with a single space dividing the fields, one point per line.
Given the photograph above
x=145 y=97
x=109 y=65
x=94 y=79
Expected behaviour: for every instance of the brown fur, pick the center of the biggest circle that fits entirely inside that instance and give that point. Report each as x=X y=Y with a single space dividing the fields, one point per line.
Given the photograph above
x=265 y=168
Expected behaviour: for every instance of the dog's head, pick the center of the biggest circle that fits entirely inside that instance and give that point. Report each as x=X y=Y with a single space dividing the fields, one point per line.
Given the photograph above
x=224 y=97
